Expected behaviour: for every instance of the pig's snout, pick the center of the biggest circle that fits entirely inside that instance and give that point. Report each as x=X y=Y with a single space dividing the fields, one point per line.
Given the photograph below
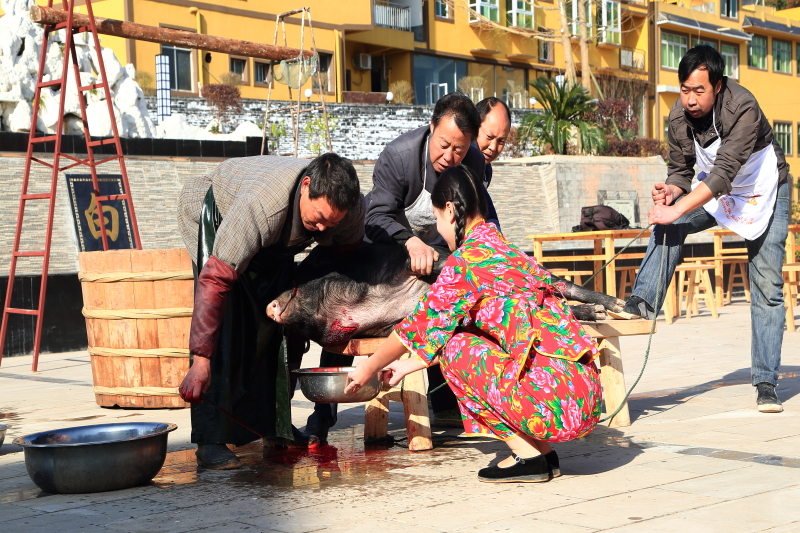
x=274 y=311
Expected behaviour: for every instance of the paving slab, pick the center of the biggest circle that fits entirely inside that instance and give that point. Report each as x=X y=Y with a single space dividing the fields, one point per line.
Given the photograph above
x=697 y=458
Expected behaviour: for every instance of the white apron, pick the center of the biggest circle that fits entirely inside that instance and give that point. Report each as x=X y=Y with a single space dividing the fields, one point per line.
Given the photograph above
x=747 y=209
x=420 y=213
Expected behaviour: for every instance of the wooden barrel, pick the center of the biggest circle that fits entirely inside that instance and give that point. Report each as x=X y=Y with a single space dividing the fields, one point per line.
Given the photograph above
x=138 y=309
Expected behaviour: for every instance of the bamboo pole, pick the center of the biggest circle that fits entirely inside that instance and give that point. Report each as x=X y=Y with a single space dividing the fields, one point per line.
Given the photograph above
x=129 y=30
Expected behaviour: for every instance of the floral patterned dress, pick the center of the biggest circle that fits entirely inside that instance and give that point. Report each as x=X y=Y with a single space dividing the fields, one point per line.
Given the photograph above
x=510 y=349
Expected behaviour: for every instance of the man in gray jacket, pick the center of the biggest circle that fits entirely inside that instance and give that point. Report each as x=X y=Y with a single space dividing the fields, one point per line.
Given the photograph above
x=718 y=126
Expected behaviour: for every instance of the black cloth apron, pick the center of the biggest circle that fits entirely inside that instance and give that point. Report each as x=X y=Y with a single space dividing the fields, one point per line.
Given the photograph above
x=249 y=374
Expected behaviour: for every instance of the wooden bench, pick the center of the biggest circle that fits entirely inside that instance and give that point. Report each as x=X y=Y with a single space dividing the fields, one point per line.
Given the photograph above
x=413 y=393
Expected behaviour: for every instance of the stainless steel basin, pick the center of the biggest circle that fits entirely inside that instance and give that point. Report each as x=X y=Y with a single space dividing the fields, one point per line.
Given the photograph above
x=326 y=385
x=95 y=458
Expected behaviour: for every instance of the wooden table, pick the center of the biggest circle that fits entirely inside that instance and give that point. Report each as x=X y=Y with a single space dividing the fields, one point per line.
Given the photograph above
x=603 y=251
x=719 y=256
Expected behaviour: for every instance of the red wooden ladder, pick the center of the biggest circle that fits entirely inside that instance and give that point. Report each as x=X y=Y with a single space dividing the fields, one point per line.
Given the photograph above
x=55 y=166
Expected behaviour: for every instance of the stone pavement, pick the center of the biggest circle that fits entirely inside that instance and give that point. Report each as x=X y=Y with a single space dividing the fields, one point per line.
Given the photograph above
x=697 y=458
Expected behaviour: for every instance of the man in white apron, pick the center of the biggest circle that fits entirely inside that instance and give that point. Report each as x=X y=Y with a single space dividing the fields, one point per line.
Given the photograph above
x=399 y=206
x=742 y=185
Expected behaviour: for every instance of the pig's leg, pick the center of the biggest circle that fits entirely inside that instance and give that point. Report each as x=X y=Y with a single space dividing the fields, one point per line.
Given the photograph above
x=589 y=312
x=580 y=294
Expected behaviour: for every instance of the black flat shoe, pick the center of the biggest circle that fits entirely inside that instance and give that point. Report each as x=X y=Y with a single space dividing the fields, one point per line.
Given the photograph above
x=552 y=463
x=216 y=457
x=533 y=470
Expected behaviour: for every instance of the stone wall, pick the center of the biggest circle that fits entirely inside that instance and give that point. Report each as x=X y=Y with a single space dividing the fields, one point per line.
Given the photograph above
x=362 y=129
x=533 y=195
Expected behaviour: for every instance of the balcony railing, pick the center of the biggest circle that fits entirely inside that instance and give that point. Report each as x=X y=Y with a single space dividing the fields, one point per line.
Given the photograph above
x=632 y=59
x=392 y=16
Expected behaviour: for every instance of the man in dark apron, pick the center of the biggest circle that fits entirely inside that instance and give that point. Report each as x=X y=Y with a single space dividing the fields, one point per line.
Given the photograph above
x=243 y=225
x=718 y=127
x=399 y=206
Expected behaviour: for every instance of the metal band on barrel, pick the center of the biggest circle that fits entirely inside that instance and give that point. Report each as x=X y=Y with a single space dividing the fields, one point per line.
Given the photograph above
x=122 y=314
x=139 y=352
x=136 y=391
x=114 y=277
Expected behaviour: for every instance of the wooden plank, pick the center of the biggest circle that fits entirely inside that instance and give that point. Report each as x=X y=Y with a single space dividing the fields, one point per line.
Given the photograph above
x=146 y=329
x=185 y=39
x=612 y=377
x=617 y=328
x=358 y=346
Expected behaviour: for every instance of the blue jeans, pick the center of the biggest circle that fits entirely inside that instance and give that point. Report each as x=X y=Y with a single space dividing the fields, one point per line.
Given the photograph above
x=765 y=257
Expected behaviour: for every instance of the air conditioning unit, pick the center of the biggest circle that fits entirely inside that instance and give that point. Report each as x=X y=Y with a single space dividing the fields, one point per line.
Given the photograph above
x=363 y=61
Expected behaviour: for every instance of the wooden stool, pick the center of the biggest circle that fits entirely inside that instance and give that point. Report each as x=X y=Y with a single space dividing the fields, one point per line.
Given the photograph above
x=626 y=280
x=791 y=287
x=738 y=270
x=698 y=284
x=412 y=393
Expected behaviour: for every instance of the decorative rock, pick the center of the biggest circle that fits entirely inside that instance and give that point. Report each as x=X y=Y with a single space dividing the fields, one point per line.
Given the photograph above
x=48 y=112
x=99 y=121
x=246 y=129
x=176 y=126
x=20 y=119
x=128 y=93
x=73 y=125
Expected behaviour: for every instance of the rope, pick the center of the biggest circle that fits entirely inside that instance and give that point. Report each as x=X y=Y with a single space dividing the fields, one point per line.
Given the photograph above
x=615 y=256
x=134 y=276
x=122 y=314
x=659 y=288
x=134 y=352
x=136 y=391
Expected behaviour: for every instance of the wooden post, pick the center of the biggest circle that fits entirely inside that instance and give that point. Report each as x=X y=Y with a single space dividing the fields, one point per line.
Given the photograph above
x=140 y=32
x=719 y=270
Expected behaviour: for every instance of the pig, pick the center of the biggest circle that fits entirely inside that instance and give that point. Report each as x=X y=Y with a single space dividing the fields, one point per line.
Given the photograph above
x=368 y=292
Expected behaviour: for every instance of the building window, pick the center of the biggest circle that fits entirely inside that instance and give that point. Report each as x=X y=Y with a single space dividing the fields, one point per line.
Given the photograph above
x=575 y=26
x=673 y=48
x=510 y=86
x=238 y=65
x=434 y=77
x=781 y=56
x=608 y=21
x=797 y=55
x=520 y=14
x=757 y=52
x=327 y=74
x=180 y=68
x=261 y=72
x=545 y=47
x=712 y=44
x=783 y=136
x=729 y=8
x=486 y=8
x=442 y=8
x=730 y=55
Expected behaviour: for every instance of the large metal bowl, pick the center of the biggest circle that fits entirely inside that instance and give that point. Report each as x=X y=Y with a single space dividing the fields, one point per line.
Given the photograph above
x=326 y=385
x=95 y=458
x=3 y=429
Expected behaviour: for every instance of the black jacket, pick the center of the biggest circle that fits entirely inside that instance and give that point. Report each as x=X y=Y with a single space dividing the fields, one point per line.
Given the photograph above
x=743 y=129
x=397 y=182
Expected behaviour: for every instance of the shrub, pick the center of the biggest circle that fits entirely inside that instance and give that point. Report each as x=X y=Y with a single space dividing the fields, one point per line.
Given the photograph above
x=403 y=92
x=145 y=81
x=636 y=148
x=224 y=100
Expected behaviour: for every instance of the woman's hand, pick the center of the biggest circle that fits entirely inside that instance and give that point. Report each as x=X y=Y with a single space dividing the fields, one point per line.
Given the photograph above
x=359 y=377
x=197 y=380
x=399 y=369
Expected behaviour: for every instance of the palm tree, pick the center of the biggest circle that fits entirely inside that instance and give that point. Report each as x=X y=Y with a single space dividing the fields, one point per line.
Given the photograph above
x=567 y=109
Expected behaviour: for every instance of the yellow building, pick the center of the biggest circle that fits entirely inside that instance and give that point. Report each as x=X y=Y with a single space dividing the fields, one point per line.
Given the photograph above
x=760 y=47
x=365 y=45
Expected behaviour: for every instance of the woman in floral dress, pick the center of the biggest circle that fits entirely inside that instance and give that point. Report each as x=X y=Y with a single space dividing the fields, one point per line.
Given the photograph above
x=511 y=351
